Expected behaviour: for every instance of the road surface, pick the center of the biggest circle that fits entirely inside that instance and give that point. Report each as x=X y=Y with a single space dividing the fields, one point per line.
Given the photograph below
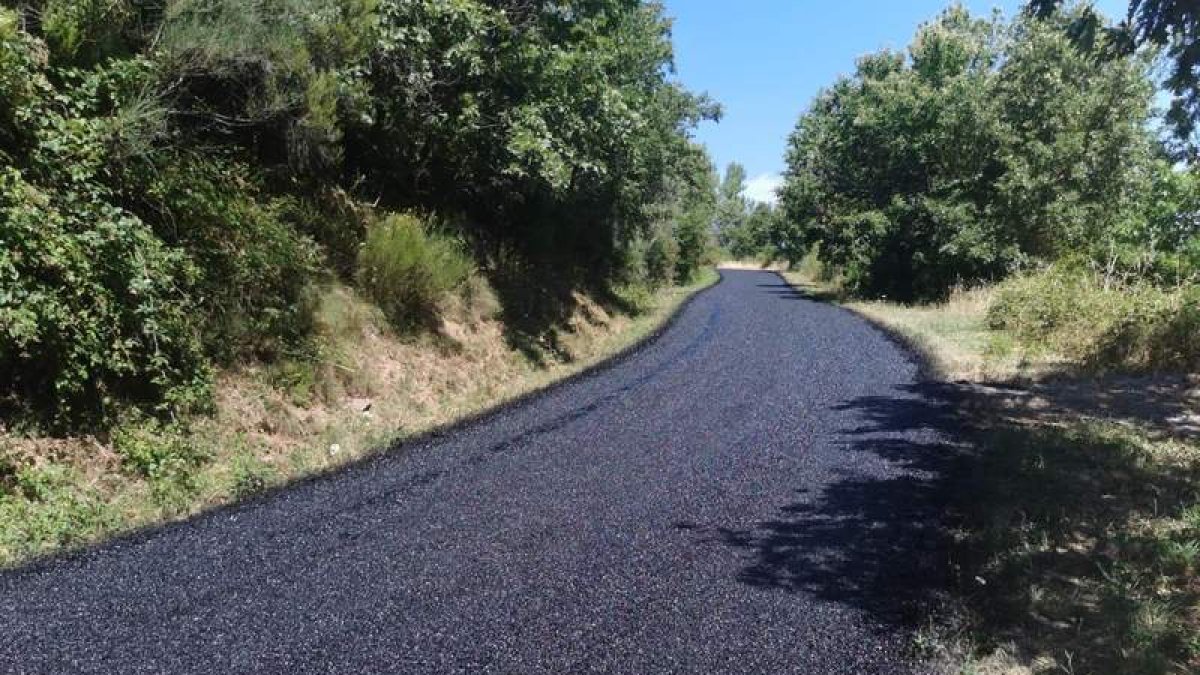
x=755 y=491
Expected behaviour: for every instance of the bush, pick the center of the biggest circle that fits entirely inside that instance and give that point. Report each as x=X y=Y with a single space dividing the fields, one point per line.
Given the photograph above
x=85 y=32
x=162 y=455
x=93 y=310
x=695 y=246
x=46 y=509
x=155 y=451
x=1073 y=311
x=407 y=271
x=662 y=255
x=125 y=265
x=255 y=267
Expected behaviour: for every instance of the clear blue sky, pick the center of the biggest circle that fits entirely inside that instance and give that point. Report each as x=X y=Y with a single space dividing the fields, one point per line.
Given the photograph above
x=764 y=60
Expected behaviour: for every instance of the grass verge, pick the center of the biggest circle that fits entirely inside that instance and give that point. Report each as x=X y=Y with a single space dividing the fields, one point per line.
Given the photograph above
x=953 y=337
x=366 y=388
x=1076 y=511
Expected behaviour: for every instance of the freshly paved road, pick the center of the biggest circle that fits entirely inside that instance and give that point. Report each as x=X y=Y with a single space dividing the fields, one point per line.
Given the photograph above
x=755 y=491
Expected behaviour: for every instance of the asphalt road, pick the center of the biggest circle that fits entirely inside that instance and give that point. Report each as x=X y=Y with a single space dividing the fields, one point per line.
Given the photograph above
x=755 y=491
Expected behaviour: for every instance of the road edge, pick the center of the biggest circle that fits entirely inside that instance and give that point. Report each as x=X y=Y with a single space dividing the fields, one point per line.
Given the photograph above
x=388 y=452
x=925 y=361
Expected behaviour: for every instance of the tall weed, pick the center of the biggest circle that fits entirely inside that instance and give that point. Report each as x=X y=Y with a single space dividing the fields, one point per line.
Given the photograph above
x=408 y=270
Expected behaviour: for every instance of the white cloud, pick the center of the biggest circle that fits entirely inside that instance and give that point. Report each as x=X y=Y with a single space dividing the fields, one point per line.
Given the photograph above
x=764 y=188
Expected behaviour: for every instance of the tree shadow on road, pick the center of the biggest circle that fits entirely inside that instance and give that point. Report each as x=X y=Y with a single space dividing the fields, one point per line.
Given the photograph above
x=784 y=291
x=874 y=536
x=1013 y=529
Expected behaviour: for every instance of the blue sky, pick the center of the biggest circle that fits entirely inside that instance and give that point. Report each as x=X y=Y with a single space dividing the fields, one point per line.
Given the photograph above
x=764 y=60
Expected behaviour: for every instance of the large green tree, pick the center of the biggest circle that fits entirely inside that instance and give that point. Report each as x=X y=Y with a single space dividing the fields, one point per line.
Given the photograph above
x=551 y=129
x=1172 y=26
x=984 y=146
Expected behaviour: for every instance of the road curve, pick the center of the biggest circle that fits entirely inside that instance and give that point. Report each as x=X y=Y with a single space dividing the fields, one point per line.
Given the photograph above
x=755 y=491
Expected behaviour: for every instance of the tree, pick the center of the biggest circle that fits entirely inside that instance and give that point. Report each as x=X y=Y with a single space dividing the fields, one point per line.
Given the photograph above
x=879 y=180
x=876 y=173
x=232 y=153
x=554 y=131
x=1170 y=25
x=731 y=209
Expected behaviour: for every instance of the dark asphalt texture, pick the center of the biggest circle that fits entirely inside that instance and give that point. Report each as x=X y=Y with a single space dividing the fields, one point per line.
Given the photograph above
x=756 y=491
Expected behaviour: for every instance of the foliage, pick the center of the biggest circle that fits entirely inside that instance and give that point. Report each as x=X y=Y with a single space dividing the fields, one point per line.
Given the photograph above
x=94 y=308
x=1101 y=323
x=692 y=232
x=1060 y=154
x=271 y=75
x=662 y=255
x=1171 y=26
x=1163 y=246
x=255 y=266
x=757 y=235
x=163 y=455
x=555 y=132
x=48 y=507
x=176 y=176
x=690 y=204
x=731 y=209
x=408 y=271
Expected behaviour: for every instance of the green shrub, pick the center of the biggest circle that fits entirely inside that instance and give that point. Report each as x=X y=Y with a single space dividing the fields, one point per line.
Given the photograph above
x=85 y=32
x=282 y=68
x=334 y=221
x=695 y=243
x=1161 y=331
x=156 y=451
x=21 y=83
x=163 y=455
x=94 y=310
x=48 y=510
x=255 y=268
x=1101 y=325
x=251 y=476
x=407 y=271
x=662 y=256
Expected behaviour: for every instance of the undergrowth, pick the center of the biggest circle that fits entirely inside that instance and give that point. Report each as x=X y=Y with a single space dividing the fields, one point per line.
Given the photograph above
x=1101 y=324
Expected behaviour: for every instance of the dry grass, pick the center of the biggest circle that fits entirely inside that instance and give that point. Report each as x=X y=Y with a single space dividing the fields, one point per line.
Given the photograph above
x=953 y=336
x=366 y=388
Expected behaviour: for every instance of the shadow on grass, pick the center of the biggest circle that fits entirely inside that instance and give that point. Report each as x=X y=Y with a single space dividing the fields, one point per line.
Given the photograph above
x=1079 y=545
x=540 y=301
x=537 y=304
x=1167 y=405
